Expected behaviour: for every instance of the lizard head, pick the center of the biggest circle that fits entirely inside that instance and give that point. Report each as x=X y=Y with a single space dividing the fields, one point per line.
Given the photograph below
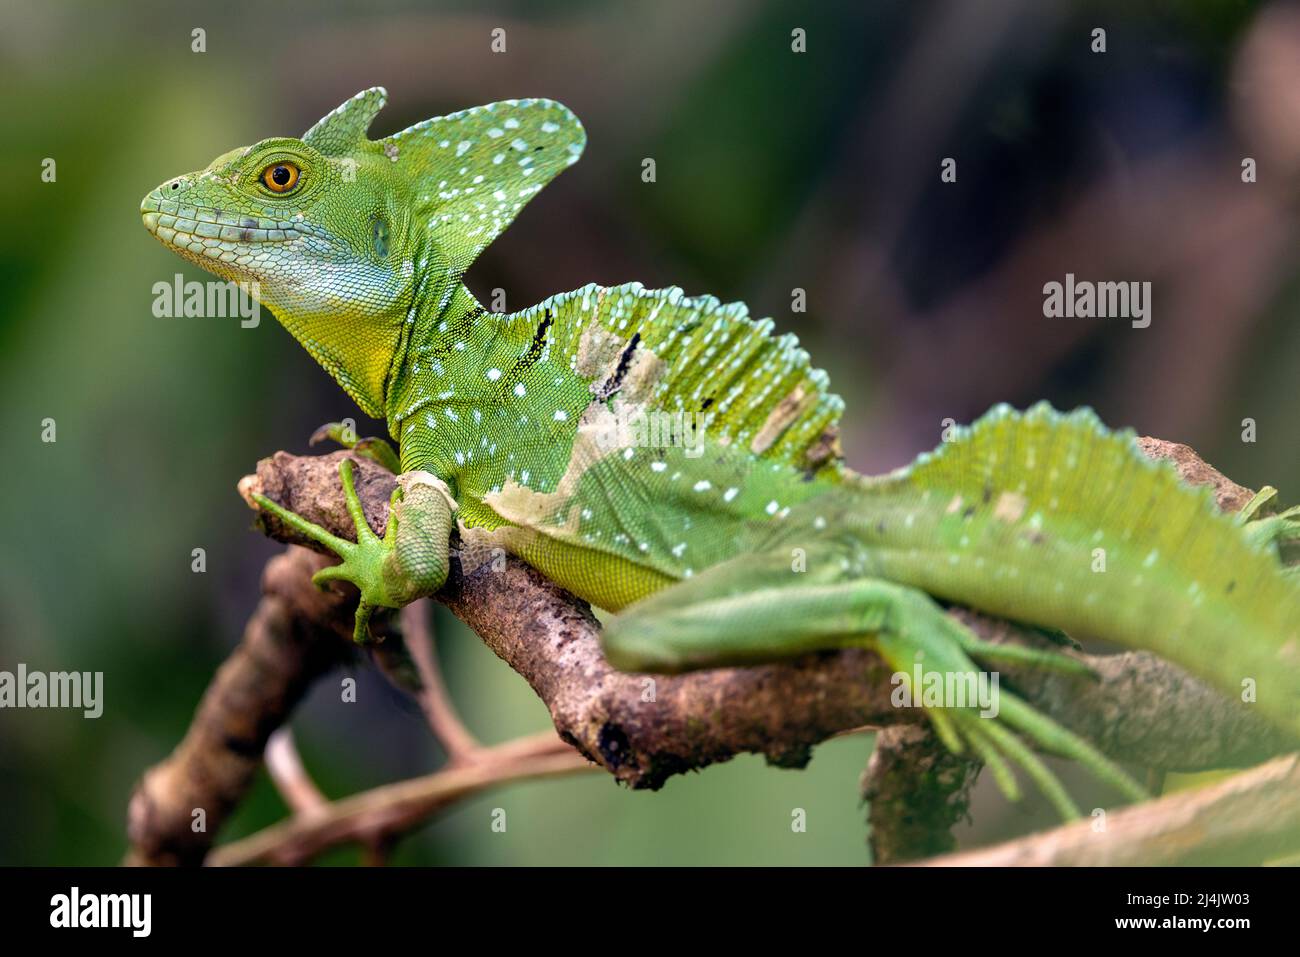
x=347 y=239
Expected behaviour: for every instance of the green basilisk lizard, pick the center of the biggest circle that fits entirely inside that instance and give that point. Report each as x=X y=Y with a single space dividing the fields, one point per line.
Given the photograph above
x=670 y=460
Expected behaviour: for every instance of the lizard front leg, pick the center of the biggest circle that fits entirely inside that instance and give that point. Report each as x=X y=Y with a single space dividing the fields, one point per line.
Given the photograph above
x=409 y=562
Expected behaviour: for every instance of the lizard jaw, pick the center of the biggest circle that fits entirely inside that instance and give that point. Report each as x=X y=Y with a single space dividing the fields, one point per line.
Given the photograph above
x=231 y=245
x=214 y=233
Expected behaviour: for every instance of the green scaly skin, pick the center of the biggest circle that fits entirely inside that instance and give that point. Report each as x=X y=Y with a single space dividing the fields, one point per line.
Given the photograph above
x=755 y=543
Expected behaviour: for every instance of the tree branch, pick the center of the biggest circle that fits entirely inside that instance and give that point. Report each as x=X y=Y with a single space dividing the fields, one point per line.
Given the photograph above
x=644 y=728
x=295 y=635
x=396 y=808
x=289 y=774
x=641 y=728
x=1250 y=818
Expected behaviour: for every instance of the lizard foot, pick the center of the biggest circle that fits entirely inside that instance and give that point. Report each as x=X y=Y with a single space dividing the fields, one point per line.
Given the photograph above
x=1278 y=531
x=1000 y=736
x=375 y=449
x=364 y=563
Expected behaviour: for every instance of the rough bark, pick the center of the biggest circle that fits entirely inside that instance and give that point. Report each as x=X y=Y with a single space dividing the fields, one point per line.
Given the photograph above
x=917 y=791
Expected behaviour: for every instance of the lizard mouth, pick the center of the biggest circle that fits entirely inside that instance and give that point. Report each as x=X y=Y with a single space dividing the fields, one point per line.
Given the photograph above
x=213 y=233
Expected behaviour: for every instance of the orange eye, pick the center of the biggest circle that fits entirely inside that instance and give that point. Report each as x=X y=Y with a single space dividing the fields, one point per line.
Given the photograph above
x=280 y=177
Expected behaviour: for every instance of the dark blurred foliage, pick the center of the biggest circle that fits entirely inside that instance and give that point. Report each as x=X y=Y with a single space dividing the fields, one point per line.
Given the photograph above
x=774 y=171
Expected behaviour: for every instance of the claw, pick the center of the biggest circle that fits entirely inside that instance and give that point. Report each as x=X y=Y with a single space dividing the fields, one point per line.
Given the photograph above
x=1262 y=497
x=375 y=449
x=945 y=728
x=1049 y=735
x=993 y=760
x=1047 y=782
x=1022 y=655
x=361 y=631
x=336 y=431
x=1008 y=739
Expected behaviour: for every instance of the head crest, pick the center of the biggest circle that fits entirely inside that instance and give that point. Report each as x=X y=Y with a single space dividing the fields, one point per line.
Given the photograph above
x=473 y=171
x=344 y=128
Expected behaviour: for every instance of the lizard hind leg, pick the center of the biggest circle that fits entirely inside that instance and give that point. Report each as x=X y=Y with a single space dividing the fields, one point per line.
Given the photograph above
x=754 y=609
x=925 y=645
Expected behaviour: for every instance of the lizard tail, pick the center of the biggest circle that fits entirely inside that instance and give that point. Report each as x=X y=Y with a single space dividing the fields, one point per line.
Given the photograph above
x=1053 y=519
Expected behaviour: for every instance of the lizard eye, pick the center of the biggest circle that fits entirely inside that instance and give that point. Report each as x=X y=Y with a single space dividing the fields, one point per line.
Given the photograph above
x=280 y=177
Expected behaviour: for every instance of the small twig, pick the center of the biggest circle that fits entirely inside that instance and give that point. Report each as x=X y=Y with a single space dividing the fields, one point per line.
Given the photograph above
x=395 y=809
x=1251 y=817
x=417 y=628
x=290 y=776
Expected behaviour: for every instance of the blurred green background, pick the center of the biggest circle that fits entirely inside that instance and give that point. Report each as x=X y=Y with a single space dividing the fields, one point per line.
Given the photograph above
x=776 y=171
